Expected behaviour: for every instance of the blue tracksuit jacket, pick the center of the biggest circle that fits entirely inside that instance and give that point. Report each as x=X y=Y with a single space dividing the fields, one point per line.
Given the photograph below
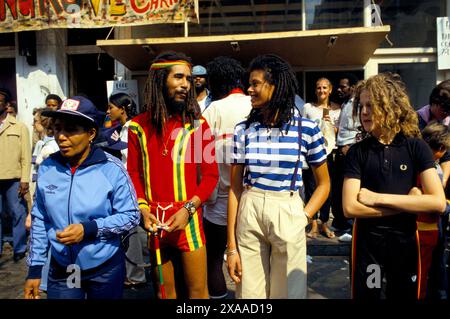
x=99 y=195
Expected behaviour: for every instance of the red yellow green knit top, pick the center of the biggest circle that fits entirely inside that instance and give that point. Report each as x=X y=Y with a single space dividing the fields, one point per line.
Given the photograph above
x=171 y=177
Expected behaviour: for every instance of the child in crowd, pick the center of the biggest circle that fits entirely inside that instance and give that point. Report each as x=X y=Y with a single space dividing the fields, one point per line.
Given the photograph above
x=438 y=138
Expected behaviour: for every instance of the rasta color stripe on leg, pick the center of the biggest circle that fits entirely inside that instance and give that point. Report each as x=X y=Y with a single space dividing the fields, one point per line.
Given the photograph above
x=193 y=234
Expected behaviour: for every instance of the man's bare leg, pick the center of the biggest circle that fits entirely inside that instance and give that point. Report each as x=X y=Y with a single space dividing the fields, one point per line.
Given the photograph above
x=195 y=275
x=168 y=276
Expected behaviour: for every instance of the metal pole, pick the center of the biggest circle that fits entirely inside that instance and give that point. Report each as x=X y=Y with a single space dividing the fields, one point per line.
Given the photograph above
x=303 y=15
x=367 y=13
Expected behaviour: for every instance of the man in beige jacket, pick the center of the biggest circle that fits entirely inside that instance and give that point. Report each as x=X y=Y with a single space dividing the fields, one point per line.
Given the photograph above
x=15 y=163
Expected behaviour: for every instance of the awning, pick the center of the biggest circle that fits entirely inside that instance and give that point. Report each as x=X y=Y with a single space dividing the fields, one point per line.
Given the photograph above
x=311 y=48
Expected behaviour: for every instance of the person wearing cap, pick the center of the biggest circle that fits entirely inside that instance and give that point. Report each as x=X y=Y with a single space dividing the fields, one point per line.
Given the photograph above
x=171 y=161
x=203 y=95
x=84 y=201
x=15 y=159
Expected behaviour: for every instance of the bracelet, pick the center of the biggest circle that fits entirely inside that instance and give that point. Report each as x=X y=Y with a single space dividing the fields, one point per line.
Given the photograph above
x=307 y=217
x=142 y=202
x=231 y=252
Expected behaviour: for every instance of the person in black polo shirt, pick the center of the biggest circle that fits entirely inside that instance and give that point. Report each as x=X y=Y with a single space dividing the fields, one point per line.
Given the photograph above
x=380 y=177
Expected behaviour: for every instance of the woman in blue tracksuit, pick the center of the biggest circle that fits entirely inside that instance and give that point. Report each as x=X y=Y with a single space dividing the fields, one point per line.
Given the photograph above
x=84 y=201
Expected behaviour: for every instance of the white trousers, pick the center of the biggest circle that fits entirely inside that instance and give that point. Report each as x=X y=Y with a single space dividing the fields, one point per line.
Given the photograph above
x=270 y=235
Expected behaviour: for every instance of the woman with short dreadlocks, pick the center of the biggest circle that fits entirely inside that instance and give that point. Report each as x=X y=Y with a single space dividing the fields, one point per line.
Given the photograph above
x=266 y=245
x=171 y=162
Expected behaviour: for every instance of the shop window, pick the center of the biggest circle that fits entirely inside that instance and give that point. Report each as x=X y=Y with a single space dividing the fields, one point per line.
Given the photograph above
x=240 y=17
x=88 y=74
x=87 y=36
x=420 y=78
x=7 y=39
x=328 y=14
x=158 y=31
x=413 y=22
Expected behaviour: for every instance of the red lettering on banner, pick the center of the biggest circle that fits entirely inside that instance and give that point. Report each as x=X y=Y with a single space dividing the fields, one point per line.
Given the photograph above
x=136 y=5
x=12 y=8
x=36 y=14
x=26 y=7
x=44 y=5
x=154 y=5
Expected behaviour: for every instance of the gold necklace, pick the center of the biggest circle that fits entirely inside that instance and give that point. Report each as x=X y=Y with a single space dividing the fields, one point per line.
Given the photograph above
x=165 y=151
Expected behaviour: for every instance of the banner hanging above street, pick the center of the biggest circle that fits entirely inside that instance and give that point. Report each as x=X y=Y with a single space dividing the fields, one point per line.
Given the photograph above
x=21 y=15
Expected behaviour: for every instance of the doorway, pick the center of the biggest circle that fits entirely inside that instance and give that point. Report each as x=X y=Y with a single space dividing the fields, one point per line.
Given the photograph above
x=88 y=74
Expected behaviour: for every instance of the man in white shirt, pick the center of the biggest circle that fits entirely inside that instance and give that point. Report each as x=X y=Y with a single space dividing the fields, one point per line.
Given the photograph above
x=230 y=107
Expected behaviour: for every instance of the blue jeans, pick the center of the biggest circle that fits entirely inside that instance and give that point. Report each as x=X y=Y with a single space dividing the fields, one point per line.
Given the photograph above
x=106 y=283
x=17 y=207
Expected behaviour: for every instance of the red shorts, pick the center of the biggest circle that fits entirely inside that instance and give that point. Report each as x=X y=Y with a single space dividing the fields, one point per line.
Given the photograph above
x=187 y=240
x=428 y=241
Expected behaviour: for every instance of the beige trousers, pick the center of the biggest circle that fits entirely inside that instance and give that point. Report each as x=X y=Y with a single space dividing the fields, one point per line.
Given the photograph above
x=270 y=235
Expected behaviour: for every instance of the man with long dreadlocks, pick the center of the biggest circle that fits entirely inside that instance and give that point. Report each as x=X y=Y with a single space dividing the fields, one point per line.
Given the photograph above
x=171 y=161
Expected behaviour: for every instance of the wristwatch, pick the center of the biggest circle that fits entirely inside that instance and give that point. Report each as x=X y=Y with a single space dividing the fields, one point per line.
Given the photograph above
x=190 y=207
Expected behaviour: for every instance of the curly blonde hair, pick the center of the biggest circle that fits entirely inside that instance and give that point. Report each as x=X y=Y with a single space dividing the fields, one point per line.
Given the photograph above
x=391 y=109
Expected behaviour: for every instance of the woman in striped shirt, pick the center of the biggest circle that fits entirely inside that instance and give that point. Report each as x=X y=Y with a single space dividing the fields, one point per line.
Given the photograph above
x=266 y=249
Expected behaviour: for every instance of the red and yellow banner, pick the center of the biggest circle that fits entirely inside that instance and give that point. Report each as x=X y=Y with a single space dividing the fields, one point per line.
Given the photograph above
x=20 y=15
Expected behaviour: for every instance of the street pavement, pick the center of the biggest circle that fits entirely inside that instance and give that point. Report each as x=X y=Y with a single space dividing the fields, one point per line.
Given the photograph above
x=328 y=273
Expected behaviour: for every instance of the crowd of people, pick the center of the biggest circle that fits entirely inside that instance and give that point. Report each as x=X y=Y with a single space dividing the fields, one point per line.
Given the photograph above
x=227 y=164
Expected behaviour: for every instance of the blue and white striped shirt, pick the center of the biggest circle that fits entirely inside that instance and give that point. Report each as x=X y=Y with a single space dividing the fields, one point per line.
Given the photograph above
x=270 y=155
